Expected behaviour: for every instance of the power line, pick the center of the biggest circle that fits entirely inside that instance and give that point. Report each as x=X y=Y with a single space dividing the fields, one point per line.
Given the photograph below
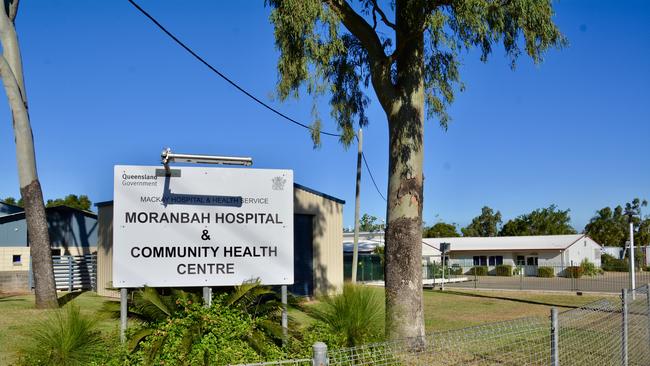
x=227 y=79
x=371 y=177
x=241 y=89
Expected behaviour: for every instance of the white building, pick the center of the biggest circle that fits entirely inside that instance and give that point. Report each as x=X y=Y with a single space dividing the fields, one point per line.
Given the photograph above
x=368 y=241
x=558 y=251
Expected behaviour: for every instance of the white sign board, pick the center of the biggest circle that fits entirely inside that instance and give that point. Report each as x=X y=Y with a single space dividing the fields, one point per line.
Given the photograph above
x=202 y=226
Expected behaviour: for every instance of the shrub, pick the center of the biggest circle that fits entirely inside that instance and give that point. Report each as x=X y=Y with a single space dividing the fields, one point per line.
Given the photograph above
x=612 y=264
x=546 y=272
x=573 y=272
x=504 y=270
x=64 y=338
x=357 y=314
x=589 y=269
x=455 y=270
x=478 y=271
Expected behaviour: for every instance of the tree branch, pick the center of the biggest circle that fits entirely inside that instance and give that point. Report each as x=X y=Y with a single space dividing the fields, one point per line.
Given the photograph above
x=10 y=47
x=379 y=63
x=22 y=128
x=384 y=18
x=12 y=9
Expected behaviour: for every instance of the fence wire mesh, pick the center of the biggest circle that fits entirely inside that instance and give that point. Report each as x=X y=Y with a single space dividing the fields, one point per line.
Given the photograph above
x=610 y=331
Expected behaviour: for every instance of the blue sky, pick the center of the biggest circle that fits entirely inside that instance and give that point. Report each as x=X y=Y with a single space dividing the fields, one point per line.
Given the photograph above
x=105 y=87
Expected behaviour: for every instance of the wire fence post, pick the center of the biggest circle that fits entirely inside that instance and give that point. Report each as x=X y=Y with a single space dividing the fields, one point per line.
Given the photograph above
x=624 y=330
x=555 y=339
x=521 y=277
x=647 y=296
x=319 y=357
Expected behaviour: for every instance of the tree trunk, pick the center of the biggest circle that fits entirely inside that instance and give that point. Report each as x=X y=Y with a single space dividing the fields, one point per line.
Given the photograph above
x=404 y=310
x=30 y=188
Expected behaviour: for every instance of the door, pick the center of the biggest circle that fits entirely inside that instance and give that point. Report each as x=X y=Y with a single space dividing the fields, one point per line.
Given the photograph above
x=303 y=255
x=531 y=265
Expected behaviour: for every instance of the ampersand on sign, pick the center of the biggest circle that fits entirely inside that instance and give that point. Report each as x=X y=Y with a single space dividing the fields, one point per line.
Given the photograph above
x=205 y=235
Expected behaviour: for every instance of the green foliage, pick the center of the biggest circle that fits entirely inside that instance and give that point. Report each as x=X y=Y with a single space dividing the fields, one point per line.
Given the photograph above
x=478 y=271
x=320 y=56
x=610 y=226
x=81 y=202
x=504 y=270
x=65 y=338
x=546 y=272
x=11 y=201
x=589 y=269
x=434 y=270
x=543 y=221
x=611 y=264
x=484 y=225
x=242 y=325
x=456 y=270
x=573 y=272
x=357 y=314
x=441 y=230
x=367 y=223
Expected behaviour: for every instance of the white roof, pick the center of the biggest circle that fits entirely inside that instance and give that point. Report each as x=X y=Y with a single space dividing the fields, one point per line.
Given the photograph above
x=364 y=247
x=431 y=246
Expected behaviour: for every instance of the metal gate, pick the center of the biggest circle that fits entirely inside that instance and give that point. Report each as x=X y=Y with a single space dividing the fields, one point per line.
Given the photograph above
x=72 y=272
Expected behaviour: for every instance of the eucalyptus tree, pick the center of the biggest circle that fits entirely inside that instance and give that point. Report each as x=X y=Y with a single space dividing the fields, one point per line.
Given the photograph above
x=409 y=52
x=11 y=71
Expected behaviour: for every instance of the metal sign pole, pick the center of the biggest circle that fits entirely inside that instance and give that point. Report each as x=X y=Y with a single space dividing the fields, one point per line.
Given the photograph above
x=207 y=297
x=285 y=322
x=123 y=313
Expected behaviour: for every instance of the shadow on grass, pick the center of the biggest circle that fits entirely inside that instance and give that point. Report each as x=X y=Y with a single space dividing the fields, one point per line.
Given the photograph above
x=533 y=302
x=12 y=298
x=69 y=297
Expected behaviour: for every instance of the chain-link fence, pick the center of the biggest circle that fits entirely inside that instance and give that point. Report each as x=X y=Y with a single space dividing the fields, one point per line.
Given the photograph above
x=611 y=331
x=546 y=277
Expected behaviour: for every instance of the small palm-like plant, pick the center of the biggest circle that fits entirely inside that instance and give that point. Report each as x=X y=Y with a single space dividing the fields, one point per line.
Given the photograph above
x=357 y=314
x=259 y=302
x=65 y=338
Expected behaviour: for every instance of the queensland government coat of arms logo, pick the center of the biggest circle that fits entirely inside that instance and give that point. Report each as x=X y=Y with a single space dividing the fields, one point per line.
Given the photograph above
x=278 y=183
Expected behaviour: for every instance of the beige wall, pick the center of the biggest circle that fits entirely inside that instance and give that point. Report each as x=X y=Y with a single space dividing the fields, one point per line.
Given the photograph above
x=6 y=258
x=105 y=251
x=328 y=236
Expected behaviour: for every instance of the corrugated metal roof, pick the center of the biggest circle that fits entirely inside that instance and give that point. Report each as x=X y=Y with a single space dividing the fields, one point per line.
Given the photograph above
x=506 y=243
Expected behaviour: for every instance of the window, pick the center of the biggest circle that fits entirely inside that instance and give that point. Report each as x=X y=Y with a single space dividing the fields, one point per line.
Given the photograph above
x=531 y=261
x=495 y=260
x=16 y=259
x=521 y=260
x=56 y=251
x=480 y=260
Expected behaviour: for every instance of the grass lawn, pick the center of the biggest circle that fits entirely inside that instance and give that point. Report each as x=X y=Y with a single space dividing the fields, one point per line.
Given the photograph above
x=450 y=309
x=17 y=316
x=454 y=309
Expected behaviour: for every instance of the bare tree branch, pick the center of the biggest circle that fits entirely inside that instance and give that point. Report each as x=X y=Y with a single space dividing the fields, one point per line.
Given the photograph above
x=384 y=18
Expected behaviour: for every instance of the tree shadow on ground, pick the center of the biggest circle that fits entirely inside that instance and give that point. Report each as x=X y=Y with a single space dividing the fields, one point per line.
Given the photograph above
x=525 y=301
x=11 y=298
x=69 y=297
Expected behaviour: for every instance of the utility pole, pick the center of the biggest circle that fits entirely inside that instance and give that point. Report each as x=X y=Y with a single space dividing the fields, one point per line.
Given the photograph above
x=355 y=250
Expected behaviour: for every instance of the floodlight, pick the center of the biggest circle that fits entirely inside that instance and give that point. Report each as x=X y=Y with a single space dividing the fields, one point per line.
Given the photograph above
x=167 y=156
